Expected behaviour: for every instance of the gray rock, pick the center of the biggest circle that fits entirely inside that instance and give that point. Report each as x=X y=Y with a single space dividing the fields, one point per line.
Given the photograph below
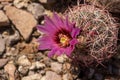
x=47 y=1
x=23 y=21
x=3 y=19
x=57 y=67
x=9 y=40
x=32 y=77
x=52 y=76
x=36 y=9
x=23 y=70
x=2 y=45
x=3 y=62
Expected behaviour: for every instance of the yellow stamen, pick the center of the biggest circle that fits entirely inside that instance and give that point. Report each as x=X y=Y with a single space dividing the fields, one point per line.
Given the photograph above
x=64 y=40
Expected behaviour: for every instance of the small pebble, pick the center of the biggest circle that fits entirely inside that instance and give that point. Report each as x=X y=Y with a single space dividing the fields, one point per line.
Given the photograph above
x=57 y=67
x=52 y=76
x=32 y=77
x=10 y=69
x=3 y=62
x=23 y=61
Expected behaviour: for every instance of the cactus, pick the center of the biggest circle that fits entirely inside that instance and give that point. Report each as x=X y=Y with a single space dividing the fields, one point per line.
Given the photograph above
x=98 y=37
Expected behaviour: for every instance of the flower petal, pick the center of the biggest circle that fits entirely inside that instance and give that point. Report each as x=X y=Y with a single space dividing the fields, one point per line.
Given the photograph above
x=45 y=38
x=49 y=23
x=51 y=29
x=45 y=43
x=73 y=41
x=75 y=32
x=46 y=30
x=44 y=46
x=58 y=21
x=61 y=23
x=69 y=50
x=68 y=25
x=52 y=52
x=60 y=51
x=42 y=28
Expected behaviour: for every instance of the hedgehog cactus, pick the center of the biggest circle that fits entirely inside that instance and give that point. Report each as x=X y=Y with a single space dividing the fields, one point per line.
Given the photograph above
x=98 y=37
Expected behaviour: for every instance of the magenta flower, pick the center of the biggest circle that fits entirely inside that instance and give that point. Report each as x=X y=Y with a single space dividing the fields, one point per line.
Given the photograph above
x=59 y=35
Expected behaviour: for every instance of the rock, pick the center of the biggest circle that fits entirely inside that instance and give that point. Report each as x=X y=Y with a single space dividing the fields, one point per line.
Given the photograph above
x=3 y=19
x=21 y=3
x=23 y=70
x=29 y=49
x=10 y=69
x=66 y=66
x=36 y=9
x=43 y=78
x=37 y=65
x=22 y=20
x=46 y=61
x=6 y=0
x=47 y=1
x=1 y=6
x=42 y=72
x=62 y=58
x=2 y=74
x=32 y=77
x=2 y=45
x=12 y=38
x=57 y=67
x=52 y=76
x=6 y=3
x=67 y=76
x=31 y=72
x=11 y=51
x=23 y=61
x=3 y=62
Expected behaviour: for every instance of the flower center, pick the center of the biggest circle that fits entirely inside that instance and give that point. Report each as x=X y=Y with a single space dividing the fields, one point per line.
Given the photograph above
x=64 y=40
